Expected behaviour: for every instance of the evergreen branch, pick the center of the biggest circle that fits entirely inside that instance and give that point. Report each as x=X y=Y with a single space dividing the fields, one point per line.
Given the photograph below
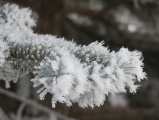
x=71 y=73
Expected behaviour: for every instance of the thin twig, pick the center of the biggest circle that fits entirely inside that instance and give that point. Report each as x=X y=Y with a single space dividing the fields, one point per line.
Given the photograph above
x=20 y=111
x=33 y=103
x=3 y=115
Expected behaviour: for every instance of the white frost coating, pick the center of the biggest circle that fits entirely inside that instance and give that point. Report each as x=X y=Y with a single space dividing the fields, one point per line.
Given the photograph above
x=4 y=51
x=89 y=84
x=67 y=76
x=15 y=16
x=7 y=73
x=5 y=69
x=71 y=73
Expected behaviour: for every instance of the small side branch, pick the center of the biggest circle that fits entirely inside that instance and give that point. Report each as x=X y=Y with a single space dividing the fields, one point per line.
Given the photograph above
x=33 y=103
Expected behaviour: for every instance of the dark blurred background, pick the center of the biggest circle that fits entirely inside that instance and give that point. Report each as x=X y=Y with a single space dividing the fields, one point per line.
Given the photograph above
x=130 y=23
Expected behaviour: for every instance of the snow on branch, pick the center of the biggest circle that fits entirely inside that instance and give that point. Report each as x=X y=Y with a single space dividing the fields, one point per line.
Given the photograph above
x=70 y=72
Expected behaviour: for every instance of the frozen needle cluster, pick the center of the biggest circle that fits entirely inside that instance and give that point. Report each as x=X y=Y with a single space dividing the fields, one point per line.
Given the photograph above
x=70 y=72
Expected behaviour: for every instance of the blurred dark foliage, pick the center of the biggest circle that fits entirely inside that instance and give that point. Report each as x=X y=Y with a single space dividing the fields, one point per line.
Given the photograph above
x=129 y=23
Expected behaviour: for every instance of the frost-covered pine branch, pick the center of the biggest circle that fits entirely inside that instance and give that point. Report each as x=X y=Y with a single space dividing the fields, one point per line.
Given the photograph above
x=71 y=73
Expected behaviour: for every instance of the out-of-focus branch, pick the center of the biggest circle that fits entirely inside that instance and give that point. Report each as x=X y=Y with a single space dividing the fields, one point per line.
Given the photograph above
x=3 y=116
x=93 y=13
x=113 y=5
x=33 y=103
x=20 y=111
x=80 y=10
